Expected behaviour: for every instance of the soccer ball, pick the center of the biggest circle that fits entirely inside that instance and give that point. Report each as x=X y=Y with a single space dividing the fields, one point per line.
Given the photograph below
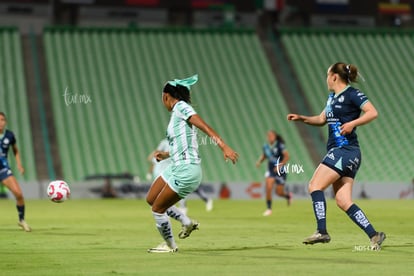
x=58 y=191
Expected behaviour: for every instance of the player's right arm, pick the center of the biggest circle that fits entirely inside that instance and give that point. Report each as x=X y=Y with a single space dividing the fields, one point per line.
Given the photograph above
x=260 y=160
x=318 y=120
x=161 y=155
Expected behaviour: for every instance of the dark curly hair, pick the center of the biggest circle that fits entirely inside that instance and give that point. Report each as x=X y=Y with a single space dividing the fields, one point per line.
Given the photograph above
x=178 y=92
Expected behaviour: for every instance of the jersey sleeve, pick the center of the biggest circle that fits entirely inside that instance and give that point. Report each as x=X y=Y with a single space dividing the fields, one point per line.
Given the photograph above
x=358 y=98
x=12 y=138
x=185 y=111
x=163 y=146
x=282 y=147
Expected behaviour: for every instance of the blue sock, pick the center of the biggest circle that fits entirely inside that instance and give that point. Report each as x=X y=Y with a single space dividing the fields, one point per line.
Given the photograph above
x=319 y=208
x=356 y=214
x=269 y=204
x=20 y=211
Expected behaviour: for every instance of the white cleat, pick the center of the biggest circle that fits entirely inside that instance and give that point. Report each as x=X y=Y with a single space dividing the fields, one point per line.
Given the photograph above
x=187 y=229
x=162 y=248
x=267 y=213
x=24 y=226
x=209 y=205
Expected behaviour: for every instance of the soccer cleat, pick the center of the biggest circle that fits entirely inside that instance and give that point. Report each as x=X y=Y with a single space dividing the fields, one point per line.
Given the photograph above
x=317 y=238
x=187 y=229
x=289 y=199
x=209 y=205
x=24 y=226
x=162 y=248
x=377 y=240
x=267 y=213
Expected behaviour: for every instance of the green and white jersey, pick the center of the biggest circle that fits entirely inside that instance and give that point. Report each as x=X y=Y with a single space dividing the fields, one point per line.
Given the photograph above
x=182 y=136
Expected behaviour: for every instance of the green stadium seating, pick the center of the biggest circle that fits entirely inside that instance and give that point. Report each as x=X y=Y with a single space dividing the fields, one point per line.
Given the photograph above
x=123 y=72
x=14 y=99
x=386 y=61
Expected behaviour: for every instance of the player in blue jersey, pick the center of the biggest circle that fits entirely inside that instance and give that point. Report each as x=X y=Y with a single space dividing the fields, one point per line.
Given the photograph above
x=184 y=174
x=7 y=140
x=277 y=156
x=341 y=163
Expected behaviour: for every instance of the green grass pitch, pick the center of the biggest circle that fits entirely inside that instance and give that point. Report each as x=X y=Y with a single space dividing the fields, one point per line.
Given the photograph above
x=109 y=237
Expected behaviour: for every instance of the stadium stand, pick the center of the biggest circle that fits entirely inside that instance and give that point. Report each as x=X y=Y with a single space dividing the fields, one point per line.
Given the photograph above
x=122 y=72
x=14 y=99
x=385 y=59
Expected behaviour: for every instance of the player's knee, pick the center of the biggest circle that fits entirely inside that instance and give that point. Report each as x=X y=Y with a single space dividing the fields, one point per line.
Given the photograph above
x=312 y=187
x=158 y=209
x=280 y=191
x=149 y=200
x=19 y=196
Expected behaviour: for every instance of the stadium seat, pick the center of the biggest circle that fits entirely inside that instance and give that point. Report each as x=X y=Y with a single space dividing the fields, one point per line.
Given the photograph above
x=14 y=99
x=123 y=72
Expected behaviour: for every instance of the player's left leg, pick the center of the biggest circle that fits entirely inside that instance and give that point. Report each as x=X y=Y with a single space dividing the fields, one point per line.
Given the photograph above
x=12 y=184
x=182 y=206
x=281 y=189
x=343 y=196
x=270 y=181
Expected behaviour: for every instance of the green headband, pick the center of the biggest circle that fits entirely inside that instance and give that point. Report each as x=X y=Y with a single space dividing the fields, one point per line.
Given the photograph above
x=184 y=82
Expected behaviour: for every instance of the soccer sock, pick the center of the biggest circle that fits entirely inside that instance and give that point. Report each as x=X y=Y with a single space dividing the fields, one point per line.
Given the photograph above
x=356 y=214
x=319 y=208
x=20 y=211
x=269 y=204
x=182 y=203
x=164 y=227
x=201 y=194
x=176 y=214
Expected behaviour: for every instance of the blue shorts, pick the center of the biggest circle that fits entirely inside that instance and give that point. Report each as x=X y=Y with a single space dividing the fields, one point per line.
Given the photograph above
x=279 y=178
x=5 y=172
x=345 y=160
x=183 y=179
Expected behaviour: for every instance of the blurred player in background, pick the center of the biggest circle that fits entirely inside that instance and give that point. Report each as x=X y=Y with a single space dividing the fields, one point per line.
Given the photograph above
x=277 y=156
x=156 y=168
x=202 y=195
x=340 y=165
x=7 y=140
x=184 y=173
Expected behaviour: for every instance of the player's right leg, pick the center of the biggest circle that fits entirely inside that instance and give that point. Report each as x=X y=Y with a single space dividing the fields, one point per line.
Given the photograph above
x=269 y=182
x=11 y=183
x=161 y=197
x=321 y=179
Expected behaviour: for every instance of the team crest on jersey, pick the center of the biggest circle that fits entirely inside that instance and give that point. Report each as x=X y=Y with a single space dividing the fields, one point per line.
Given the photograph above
x=341 y=99
x=6 y=141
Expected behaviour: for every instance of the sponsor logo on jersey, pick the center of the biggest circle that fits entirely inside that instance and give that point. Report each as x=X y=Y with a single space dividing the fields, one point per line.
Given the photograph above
x=331 y=156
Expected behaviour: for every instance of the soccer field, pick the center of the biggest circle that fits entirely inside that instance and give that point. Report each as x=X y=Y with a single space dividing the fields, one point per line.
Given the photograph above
x=108 y=237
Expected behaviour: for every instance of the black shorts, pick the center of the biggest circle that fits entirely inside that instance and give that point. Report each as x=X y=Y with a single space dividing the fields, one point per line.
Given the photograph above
x=344 y=160
x=4 y=173
x=280 y=179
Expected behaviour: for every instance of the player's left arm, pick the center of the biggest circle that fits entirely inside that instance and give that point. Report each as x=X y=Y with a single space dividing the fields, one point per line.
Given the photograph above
x=228 y=152
x=370 y=114
x=18 y=160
